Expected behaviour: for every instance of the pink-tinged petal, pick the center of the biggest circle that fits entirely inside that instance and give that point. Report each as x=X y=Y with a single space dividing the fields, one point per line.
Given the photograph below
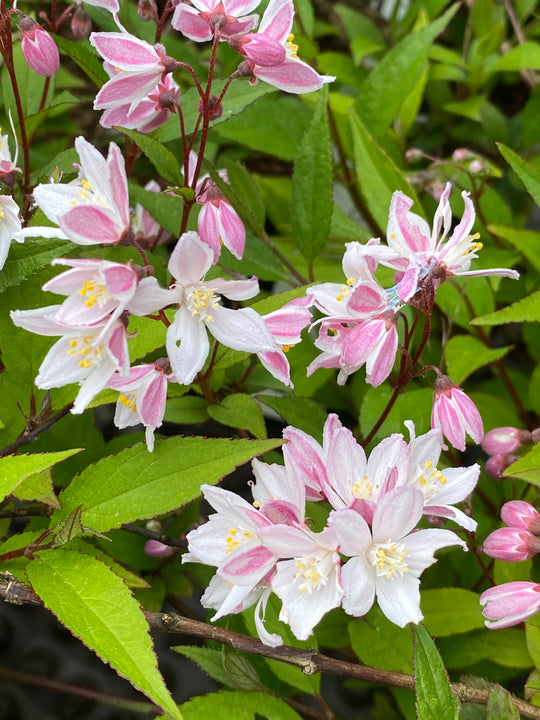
x=136 y=375
x=293 y=76
x=443 y=216
x=235 y=289
x=248 y=567
x=189 y=22
x=399 y=599
x=281 y=512
x=207 y=224
x=421 y=545
x=118 y=181
x=237 y=26
x=234 y=508
x=286 y=541
x=190 y=259
x=510 y=603
x=88 y=225
x=277 y=365
x=287 y=323
x=120 y=279
x=358 y=581
x=151 y=403
x=463 y=229
x=304 y=455
x=367 y=299
x=242 y=329
x=124 y=51
x=404 y=232
x=511 y=544
x=277 y=20
x=408 y=284
x=187 y=346
x=261 y=50
x=110 y=5
x=520 y=514
x=118 y=349
x=397 y=513
x=497 y=272
x=239 y=7
x=70 y=281
x=379 y=365
x=360 y=341
x=92 y=385
x=232 y=231
x=452 y=513
x=41 y=321
x=150 y=297
x=445 y=416
x=346 y=464
x=55 y=200
x=125 y=87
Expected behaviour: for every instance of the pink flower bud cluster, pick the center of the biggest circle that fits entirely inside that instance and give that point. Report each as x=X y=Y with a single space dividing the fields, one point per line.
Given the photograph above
x=38 y=47
x=502 y=444
x=369 y=549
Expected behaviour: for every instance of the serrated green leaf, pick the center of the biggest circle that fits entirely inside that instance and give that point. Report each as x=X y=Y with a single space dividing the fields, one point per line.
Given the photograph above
x=161 y=157
x=379 y=643
x=527 y=241
x=238 y=705
x=377 y=175
x=85 y=57
x=16 y=468
x=39 y=487
x=97 y=607
x=303 y=413
x=211 y=661
x=525 y=310
x=239 y=411
x=28 y=258
x=311 y=195
x=527 y=467
x=465 y=354
x=380 y=96
x=527 y=173
x=500 y=705
x=451 y=610
x=434 y=696
x=136 y=484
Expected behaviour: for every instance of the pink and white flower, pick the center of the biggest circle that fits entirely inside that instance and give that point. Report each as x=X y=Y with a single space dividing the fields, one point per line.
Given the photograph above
x=92 y=209
x=200 y=20
x=88 y=356
x=200 y=309
x=509 y=604
x=143 y=398
x=8 y=167
x=136 y=68
x=455 y=414
x=272 y=56
x=387 y=561
x=10 y=225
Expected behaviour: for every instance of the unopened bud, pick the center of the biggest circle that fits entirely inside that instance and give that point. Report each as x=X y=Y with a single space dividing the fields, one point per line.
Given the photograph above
x=497 y=464
x=535 y=435
x=81 y=25
x=157 y=549
x=476 y=166
x=38 y=47
x=504 y=440
x=147 y=10
x=461 y=154
x=215 y=109
x=413 y=155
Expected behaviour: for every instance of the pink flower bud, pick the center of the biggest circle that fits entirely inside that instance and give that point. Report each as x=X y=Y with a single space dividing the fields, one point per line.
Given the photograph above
x=497 y=464
x=511 y=544
x=455 y=413
x=157 y=549
x=521 y=515
x=81 y=25
x=413 y=155
x=147 y=10
x=461 y=154
x=477 y=166
x=504 y=440
x=535 y=435
x=38 y=47
x=510 y=603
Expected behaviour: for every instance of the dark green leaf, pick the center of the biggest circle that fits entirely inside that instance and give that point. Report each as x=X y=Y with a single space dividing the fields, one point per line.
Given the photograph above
x=161 y=158
x=434 y=696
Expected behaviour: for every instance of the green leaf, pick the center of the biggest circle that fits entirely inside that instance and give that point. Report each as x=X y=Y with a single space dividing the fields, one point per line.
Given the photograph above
x=465 y=354
x=500 y=705
x=28 y=258
x=527 y=467
x=98 y=608
x=136 y=484
x=39 y=486
x=211 y=661
x=385 y=89
x=532 y=633
x=239 y=411
x=16 y=468
x=302 y=413
x=161 y=158
x=238 y=705
x=378 y=642
x=525 y=310
x=522 y=57
x=377 y=175
x=451 y=610
x=527 y=241
x=188 y=410
x=242 y=182
x=527 y=173
x=504 y=647
x=166 y=209
x=311 y=196
x=434 y=696
x=85 y=57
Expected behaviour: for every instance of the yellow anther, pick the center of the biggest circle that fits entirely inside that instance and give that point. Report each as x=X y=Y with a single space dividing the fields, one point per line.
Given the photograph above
x=428 y=464
x=351 y=281
x=73 y=343
x=85 y=363
x=87 y=185
x=256 y=504
x=91 y=301
x=286 y=348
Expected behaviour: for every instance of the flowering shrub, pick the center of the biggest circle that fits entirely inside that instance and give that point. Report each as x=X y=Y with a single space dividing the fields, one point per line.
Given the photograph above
x=275 y=249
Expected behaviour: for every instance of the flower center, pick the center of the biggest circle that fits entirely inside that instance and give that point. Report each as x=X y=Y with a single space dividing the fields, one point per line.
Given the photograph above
x=362 y=488
x=291 y=48
x=429 y=480
x=312 y=571
x=85 y=351
x=129 y=401
x=94 y=292
x=388 y=558
x=200 y=300
x=345 y=289
x=235 y=538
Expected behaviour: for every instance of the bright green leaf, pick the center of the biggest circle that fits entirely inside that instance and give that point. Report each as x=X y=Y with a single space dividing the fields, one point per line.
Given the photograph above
x=165 y=208
x=527 y=173
x=527 y=467
x=527 y=241
x=523 y=57
x=136 y=484
x=238 y=705
x=465 y=354
x=451 y=610
x=302 y=413
x=188 y=409
x=434 y=696
x=311 y=197
x=16 y=468
x=85 y=57
x=525 y=310
x=98 y=608
x=38 y=487
x=378 y=642
x=161 y=158
x=239 y=411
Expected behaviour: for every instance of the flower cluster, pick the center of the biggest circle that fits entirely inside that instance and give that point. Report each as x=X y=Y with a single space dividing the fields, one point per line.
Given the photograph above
x=370 y=547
